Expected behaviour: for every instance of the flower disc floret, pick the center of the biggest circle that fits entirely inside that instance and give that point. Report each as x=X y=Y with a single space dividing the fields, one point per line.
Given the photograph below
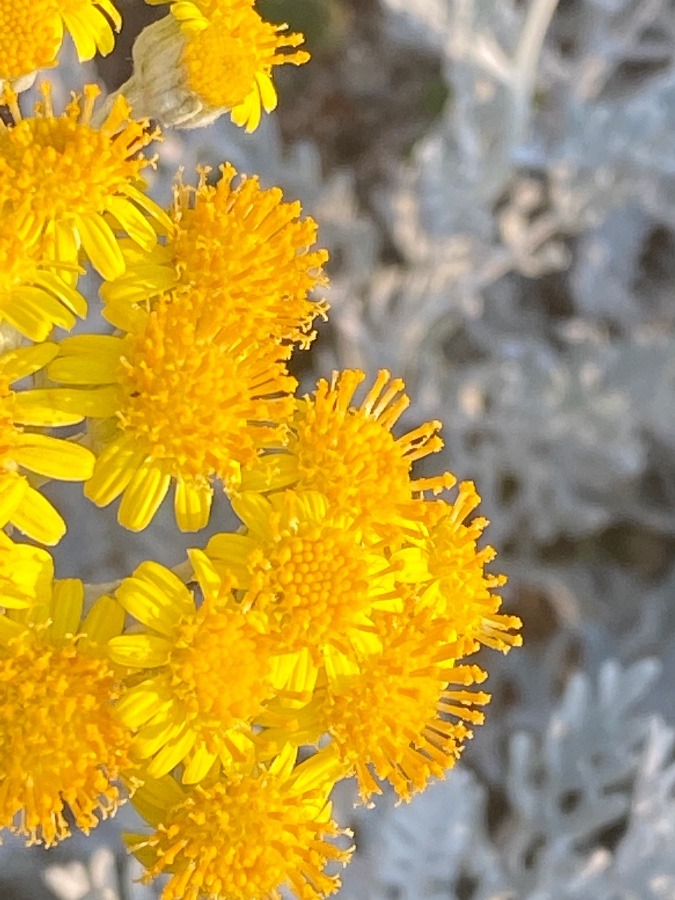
x=244 y=837
x=194 y=402
x=31 y=33
x=66 y=178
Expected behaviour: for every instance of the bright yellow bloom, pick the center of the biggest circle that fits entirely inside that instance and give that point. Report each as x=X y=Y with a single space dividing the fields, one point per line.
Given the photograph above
x=25 y=573
x=209 y=57
x=61 y=745
x=77 y=184
x=240 y=248
x=400 y=712
x=21 y=504
x=349 y=453
x=35 y=289
x=305 y=567
x=199 y=676
x=245 y=837
x=31 y=33
x=445 y=564
x=194 y=402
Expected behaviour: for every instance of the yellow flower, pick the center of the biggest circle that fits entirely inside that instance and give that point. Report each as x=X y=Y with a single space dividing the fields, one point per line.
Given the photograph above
x=31 y=33
x=77 y=184
x=61 y=746
x=307 y=570
x=25 y=573
x=446 y=566
x=400 y=712
x=245 y=837
x=207 y=58
x=349 y=453
x=193 y=401
x=35 y=289
x=241 y=249
x=21 y=504
x=199 y=675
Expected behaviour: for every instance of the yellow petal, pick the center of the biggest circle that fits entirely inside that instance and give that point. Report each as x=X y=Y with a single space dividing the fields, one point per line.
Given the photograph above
x=105 y=620
x=139 y=651
x=100 y=245
x=172 y=753
x=13 y=488
x=27 y=360
x=66 y=611
x=142 y=702
x=156 y=597
x=132 y=220
x=154 y=736
x=54 y=458
x=44 y=407
x=268 y=94
x=88 y=359
x=155 y=796
x=199 y=764
x=64 y=292
x=143 y=496
x=114 y=469
x=193 y=504
x=38 y=519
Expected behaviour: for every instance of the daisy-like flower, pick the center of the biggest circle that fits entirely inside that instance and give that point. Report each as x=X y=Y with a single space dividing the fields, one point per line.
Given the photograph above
x=36 y=292
x=447 y=567
x=348 y=452
x=21 y=504
x=206 y=58
x=76 y=184
x=62 y=747
x=306 y=568
x=400 y=713
x=199 y=676
x=31 y=34
x=244 y=837
x=193 y=401
x=25 y=573
x=243 y=249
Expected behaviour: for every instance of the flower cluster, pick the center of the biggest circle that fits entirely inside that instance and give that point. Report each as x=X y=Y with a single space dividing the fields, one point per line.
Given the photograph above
x=334 y=633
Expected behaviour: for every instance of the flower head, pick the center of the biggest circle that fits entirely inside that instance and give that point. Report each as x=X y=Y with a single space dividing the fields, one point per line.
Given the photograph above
x=61 y=745
x=31 y=33
x=447 y=567
x=400 y=712
x=348 y=452
x=199 y=676
x=307 y=570
x=243 y=837
x=194 y=401
x=209 y=57
x=242 y=250
x=75 y=183
x=21 y=504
